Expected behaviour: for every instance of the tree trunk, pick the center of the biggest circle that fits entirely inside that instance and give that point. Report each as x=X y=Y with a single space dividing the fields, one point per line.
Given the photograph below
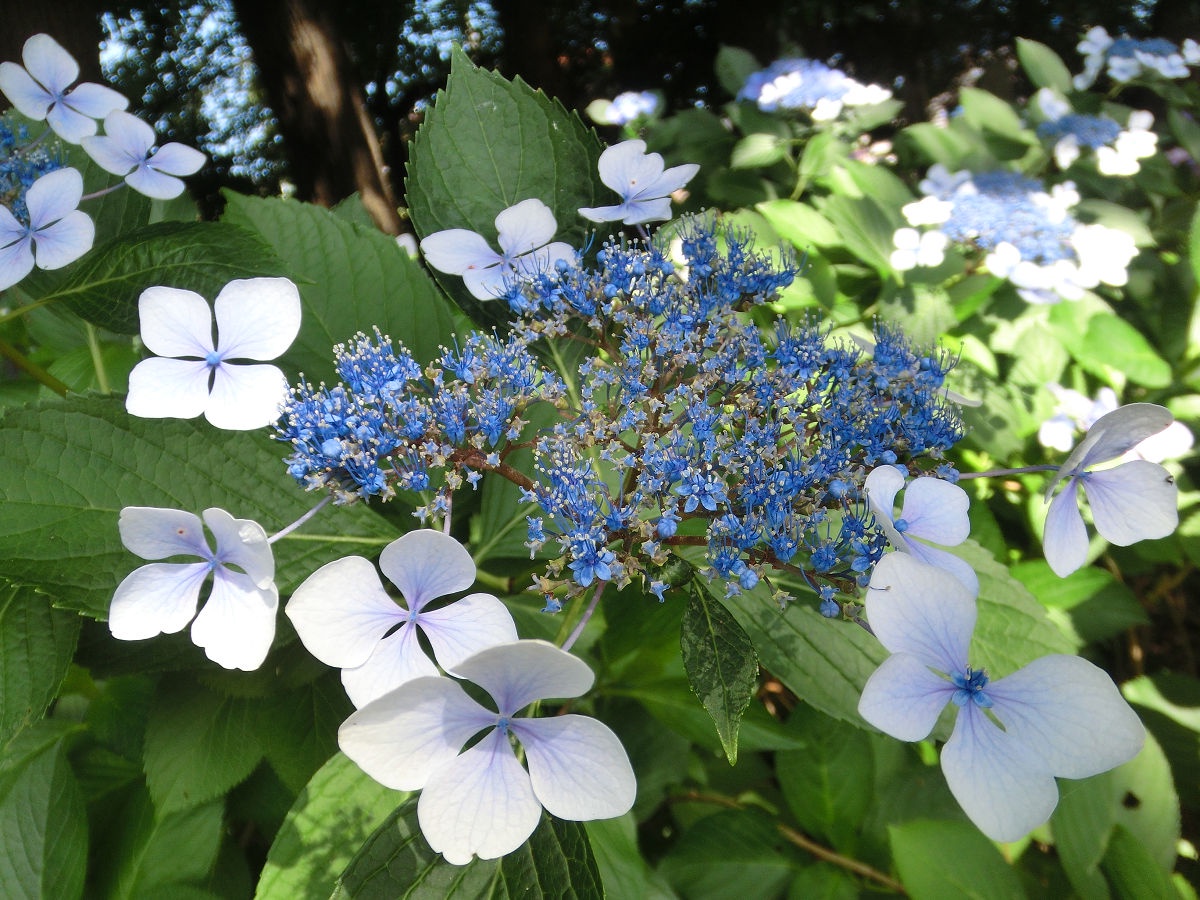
x=331 y=143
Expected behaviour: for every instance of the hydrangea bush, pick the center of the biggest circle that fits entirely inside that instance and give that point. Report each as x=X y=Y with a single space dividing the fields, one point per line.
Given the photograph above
x=695 y=514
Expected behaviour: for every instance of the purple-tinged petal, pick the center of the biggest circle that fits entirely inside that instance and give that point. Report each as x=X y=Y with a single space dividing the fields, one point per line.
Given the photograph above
x=159 y=598
x=481 y=803
x=53 y=196
x=1001 y=786
x=603 y=213
x=48 y=62
x=29 y=97
x=516 y=674
x=154 y=532
x=638 y=212
x=177 y=159
x=903 y=698
x=111 y=154
x=243 y=543
x=16 y=259
x=1068 y=714
x=65 y=241
x=524 y=227
x=167 y=388
x=936 y=510
x=70 y=125
x=246 y=397
x=945 y=560
x=577 y=766
x=408 y=734
x=915 y=608
x=341 y=612
x=1112 y=435
x=488 y=283
x=1135 y=501
x=237 y=624
x=668 y=182
x=95 y=100
x=175 y=322
x=426 y=564
x=1065 y=540
x=627 y=167
x=396 y=659
x=154 y=184
x=465 y=627
x=457 y=250
x=257 y=318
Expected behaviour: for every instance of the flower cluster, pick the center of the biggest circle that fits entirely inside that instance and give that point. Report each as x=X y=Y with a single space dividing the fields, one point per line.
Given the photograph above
x=1029 y=233
x=1117 y=150
x=22 y=162
x=1127 y=58
x=809 y=85
x=626 y=108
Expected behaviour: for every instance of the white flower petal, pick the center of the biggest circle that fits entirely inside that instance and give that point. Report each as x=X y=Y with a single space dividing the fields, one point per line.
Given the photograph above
x=426 y=564
x=903 y=698
x=465 y=627
x=70 y=125
x=488 y=283
x=481 y=803
x=457 y=250
x=65 y=241
x=396 y=659
x=1002 y=787
x=237 y=624
x=49 y=63
x=341 y=612
x=881 y=486
x=915 y=608
x=668 y=182
x=16 y=261
x=149 y=182
x=1112 y=435
x=605 y=213
x=577 y=766
x=524 y=227
x=159 y=598
x=1135 y=501
x=95 y=100
x=175 y=322
x=29 y=97
x=242 y=543
x=246 y=397
x=1069 y=715
x=543 y=259
x=936 y=510
x=154 y=532
x=946 y=561
x=1064 y=540
x=516 y=674
x=404 y=736
x=177 y=159
x=167 y=389
x=626 y=166
x=638 y=212
x=257 y=318
x=127 y=138
x=53 y=196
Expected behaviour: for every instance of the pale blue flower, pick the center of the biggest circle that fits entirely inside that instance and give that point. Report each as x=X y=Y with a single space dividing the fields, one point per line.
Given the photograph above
x=481 y=800
x=1058 y=716
x=934 y=510
x=56 y=234
x=645 y=187
x=630 y=106
x=127 y=149
x=1132 y=502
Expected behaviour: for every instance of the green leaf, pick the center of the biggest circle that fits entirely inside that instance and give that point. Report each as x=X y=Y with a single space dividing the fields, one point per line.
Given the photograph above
x=987 y=112
x=1043 y=66
x=1194 y=245
x=1099 y=606
x=828 y=785
x=396 y=861
x=197 y=256
x=733 y=66
x=949 y=861
x=1132 y=870
x=298 y=729
x=36 y=646
x=351 y=279
x=721 y=665
x=733 y=853
x=756 y=151
x=948 y=146
x=199 y=744
x=335 y=813
x=1111 y=343
x=71 y=465
x=867 y=229
x=623 y=869
x=43 y=822
x=800 y=224
x=460 y=176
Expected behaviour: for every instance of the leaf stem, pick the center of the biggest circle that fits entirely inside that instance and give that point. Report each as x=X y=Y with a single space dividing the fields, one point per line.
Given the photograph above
x=97 y=359
x=25 y=364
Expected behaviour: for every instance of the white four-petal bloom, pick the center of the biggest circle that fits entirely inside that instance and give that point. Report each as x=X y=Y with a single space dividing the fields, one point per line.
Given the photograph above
x=1060 y=715
x=346 y=619
x=237 y=624
x=42 y=90
x=57 y=233
x=481 y=801
x=127 y=149
x=1132 y=502
x=257 y=318
x=645 y=187
x=525 y=233
x=933 y=510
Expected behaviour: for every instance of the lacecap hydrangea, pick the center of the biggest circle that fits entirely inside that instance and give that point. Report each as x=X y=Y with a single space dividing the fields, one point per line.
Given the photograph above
x=809 y=85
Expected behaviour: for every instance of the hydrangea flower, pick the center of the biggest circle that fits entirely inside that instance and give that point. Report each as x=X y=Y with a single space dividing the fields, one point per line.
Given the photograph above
x=1127 y=58
x=127 y=149
x=916 y=249
x=346 y=619
x=625 y=108
x=481 y=801
x=1058 y=716
x=57 y=233
x=1131 y=502
x=237 y=624
x=42 y=90
x=23 y=160
x=644 y=185
x=1117 y=150
x=809 y=85
x=934 y=510
x=525 y=233
x=257 y=318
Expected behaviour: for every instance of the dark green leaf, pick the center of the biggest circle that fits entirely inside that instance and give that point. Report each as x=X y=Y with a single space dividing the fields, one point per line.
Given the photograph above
x=733 y=66
x=721 y=665
x=36 y=646
x=733 y=853
x=1133 y=871
x=1043 y=66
